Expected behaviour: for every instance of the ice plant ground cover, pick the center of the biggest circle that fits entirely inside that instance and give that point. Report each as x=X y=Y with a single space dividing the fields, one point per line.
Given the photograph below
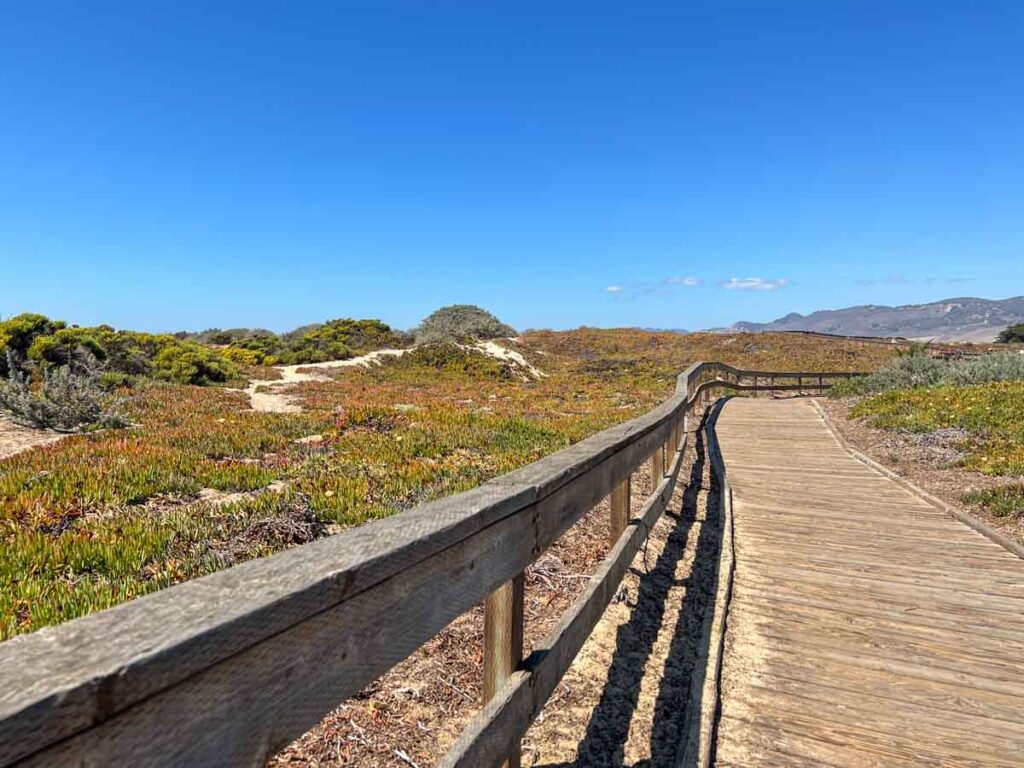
x=202 y=481
x=991 y=417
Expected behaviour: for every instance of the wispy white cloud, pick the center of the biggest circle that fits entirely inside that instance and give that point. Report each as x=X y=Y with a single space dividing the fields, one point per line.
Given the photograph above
x=689 y=281
x=647 y=287
x=887 y=280
x=753 y=284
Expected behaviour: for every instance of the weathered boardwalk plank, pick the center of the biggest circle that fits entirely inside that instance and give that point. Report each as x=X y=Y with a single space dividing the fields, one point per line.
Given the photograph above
x=866 y=627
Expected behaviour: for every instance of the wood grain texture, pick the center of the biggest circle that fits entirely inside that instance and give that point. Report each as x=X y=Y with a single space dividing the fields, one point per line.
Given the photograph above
x=866 y=626
x=74 y=679
x=619 y=510
x=503 y=643
x=500 y=725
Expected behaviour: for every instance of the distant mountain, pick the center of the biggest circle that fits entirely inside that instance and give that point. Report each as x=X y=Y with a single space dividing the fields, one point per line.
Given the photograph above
x=961 y=319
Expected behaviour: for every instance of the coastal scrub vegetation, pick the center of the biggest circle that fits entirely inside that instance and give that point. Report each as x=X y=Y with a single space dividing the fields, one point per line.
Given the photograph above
x=36 y=344
x=980 y=398
x=337 y=339
x=1013 y=334
x=909 y=371
x=461 y=322
x=203 y=481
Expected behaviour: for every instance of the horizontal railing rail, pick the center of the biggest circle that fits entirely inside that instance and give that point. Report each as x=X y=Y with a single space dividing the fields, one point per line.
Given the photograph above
x=230 y=667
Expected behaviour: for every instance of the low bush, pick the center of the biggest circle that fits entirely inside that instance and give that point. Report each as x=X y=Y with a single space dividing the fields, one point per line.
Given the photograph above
x=1007 y=501
x=64 y=345
x=920 y=370
x=38 y=344
x=450 y=357
x=70 y=398
x=186 y=362
x=460 y=322
x=337 y=339
x=1013 y=334
x=990 y=413
x=111 y=380
x=19 y=332
x=243 y=356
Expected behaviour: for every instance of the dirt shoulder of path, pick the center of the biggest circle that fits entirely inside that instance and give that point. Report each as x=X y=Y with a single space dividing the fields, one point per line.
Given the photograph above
x=15 y=438
x=928 y=461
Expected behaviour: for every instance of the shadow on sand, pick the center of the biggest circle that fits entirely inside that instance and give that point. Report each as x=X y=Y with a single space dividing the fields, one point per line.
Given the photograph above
x=608 y=729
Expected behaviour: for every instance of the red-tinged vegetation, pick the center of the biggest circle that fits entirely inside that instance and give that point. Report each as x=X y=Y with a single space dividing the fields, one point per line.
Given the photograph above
x=98 y=519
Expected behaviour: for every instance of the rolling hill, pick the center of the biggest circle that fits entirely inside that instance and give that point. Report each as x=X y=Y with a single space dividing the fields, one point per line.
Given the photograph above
x=958 y=319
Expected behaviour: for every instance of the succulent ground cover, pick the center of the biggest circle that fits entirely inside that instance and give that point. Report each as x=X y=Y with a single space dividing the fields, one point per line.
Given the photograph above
x=202 y=481
x=986 y=420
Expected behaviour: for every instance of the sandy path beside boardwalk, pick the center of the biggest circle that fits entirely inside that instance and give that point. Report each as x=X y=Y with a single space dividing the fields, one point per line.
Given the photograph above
x=263 y=397
x=15 y=438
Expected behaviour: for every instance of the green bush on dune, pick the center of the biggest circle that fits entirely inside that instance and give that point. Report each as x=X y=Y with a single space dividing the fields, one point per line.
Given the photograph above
x=461 y=322
x=1013 y=334
x=337 y=339
x=38 y=345
x=190 y=363
x=921 y=370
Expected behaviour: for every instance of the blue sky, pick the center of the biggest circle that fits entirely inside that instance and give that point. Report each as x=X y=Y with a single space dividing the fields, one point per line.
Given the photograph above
x=184 y=165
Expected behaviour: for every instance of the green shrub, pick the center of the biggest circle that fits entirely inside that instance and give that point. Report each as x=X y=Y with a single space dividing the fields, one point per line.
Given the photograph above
x=19 y=332
x=1007 y=501
x=111 y=380
x=905 y=372
x=994 y=366
x=70 y=398
x=222 y=337
x=62 y=347
x=186 y=362
x=460 y=322
x=243 y=356
x=331 y=340
x=920 y=370
x=337 y=339
x=1013 y=334
x=131 y=352
x=446 y=356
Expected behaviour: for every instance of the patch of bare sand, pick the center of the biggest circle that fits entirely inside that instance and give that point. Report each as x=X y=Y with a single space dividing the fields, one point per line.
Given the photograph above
x=270 y=395
x=15 y=438
x=265 y=395
x=624 y=700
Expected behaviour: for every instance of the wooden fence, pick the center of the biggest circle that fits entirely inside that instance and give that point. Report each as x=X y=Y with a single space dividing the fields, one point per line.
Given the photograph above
x=942 y=349
x=229 y=668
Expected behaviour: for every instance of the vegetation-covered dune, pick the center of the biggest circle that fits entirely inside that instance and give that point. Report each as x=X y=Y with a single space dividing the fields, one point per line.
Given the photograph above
x=203 y=481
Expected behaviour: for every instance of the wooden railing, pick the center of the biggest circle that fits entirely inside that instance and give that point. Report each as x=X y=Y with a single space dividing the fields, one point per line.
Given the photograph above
x=228 y=668
x=940 y=349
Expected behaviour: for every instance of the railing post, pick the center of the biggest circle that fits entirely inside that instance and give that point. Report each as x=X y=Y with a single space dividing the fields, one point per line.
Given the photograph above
x=821 y=386
x=773 y=387
x=619 y=504
x=503 y=642
x=657 y=466
x=799 y=385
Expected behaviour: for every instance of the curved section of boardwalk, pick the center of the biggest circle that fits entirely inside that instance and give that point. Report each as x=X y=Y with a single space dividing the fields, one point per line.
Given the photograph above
x=865 y=626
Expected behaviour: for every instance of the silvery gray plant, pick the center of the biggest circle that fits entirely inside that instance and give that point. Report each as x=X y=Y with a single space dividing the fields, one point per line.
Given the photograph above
x=69 y=399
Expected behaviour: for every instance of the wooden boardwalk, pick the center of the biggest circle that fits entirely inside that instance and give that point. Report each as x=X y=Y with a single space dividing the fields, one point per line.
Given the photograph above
x=865 y=627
